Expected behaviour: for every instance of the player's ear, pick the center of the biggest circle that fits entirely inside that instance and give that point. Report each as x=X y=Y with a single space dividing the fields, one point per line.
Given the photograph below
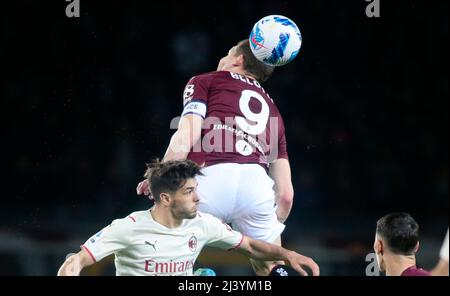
x=164 y=199
x=381 y=249
x=239 y=60
x=378 y=247
x=416 y=248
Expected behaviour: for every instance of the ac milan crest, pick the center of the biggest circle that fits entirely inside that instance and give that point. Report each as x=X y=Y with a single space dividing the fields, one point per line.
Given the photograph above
x=193 y=243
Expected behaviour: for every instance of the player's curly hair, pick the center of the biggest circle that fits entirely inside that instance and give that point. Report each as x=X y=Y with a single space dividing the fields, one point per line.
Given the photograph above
x=170 y=176
x=252 y=65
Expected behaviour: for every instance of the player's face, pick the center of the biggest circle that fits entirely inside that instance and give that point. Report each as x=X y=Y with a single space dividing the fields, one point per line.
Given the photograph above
x=185 y=201
x=227 y=63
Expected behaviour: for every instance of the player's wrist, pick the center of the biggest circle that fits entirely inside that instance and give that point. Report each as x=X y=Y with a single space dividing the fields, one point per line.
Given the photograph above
x=290 y=257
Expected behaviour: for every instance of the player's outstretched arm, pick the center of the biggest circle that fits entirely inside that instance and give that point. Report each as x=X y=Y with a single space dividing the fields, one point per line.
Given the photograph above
x=188 y=134
x=280 y=172
x=75 y=263
x=260 y=250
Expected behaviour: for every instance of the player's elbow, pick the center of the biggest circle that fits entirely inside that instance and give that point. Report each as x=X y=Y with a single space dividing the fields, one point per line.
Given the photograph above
x=285 y=205
x=285 y=198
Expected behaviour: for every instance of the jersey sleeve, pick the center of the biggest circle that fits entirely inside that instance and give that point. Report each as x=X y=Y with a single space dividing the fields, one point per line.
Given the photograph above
x=277 y=136
x=221 y=235
x=195 y=96
x=282 y=144
x=109 y=240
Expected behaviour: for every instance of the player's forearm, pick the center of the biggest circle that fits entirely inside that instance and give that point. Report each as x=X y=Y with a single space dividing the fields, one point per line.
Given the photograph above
x=68 y=270
x=75 y=264
x=260 y=250
x=179 y=147
x=284 y=206
x=71 y=267
x=188 y=134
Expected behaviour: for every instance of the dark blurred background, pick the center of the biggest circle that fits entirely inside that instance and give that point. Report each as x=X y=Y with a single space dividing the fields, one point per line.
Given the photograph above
x=85 y=102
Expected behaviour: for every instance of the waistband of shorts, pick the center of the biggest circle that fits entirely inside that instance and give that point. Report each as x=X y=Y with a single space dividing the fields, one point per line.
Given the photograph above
x=265 y=167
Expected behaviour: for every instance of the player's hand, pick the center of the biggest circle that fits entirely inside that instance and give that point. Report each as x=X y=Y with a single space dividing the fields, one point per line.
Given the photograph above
x=144 y=188
x=71 y=266
x=297 y=262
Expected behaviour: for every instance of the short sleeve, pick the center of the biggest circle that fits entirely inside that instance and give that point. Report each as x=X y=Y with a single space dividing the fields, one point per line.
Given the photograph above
x=281 y=145
x=112 y=238
x=195 y=96
x=221 y=235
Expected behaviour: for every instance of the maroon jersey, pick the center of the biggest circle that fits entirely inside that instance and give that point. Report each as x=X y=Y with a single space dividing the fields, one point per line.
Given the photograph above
x=241 y=122
x=413 y=271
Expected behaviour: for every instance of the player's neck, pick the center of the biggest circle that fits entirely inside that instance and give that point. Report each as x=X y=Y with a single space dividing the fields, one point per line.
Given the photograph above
x=243 y=72
x=248 y=75
x=397 y=264
x=164 y=217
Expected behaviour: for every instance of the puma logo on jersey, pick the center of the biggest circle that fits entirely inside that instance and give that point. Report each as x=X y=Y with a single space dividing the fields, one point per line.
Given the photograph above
x=153 y=245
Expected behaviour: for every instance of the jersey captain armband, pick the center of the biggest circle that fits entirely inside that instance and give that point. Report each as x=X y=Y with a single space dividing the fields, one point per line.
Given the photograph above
x=195 y=107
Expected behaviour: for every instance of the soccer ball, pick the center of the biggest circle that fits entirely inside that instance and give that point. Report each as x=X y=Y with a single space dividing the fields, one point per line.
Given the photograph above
x=275 y=40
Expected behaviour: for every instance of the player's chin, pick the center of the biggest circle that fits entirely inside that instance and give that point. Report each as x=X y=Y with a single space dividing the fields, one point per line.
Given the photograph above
x=192 y=214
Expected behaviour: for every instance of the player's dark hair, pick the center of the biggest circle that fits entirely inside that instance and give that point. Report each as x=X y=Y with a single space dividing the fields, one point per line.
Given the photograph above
x=253 y=66
x=170 y=176
x=400 y=232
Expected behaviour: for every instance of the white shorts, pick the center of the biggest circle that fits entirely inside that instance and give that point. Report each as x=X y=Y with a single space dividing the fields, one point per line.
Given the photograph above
x=243 y=196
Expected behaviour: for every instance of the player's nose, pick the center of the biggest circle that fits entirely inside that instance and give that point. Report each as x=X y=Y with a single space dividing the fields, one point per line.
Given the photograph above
x=196 y=197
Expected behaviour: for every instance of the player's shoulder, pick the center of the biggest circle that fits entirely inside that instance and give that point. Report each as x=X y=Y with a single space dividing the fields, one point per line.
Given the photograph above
x=138 y=216
x=131 y=219
x=211 y=223
x=206 y=218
